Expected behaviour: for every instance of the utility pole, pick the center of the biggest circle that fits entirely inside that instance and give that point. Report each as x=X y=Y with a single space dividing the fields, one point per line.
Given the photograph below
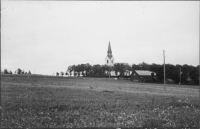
x=164 y=69
x=180 y=77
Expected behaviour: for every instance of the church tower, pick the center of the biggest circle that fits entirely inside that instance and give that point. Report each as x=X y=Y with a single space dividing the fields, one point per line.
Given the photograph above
x=109 y=58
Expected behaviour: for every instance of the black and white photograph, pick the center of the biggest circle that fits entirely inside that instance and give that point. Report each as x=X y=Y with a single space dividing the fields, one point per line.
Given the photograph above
x=100 y=64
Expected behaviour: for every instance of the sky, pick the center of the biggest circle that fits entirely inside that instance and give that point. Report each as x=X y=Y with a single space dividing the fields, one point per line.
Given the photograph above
x=46 y=37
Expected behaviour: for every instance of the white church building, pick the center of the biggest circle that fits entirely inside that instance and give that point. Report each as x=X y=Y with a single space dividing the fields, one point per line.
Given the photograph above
x=110 y=60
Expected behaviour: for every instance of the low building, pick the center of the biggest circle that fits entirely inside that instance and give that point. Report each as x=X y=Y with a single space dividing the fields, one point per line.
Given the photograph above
x=142 y=76
x=170 y=81
x=127 y=73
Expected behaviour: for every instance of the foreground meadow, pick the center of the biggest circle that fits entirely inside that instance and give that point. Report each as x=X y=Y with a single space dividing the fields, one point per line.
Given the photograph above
x=88 y=102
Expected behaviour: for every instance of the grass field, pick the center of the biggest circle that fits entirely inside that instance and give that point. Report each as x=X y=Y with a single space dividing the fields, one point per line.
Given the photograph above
x=88 y=102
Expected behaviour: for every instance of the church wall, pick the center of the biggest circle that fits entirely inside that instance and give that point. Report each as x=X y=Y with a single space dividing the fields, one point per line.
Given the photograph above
x=109 y=63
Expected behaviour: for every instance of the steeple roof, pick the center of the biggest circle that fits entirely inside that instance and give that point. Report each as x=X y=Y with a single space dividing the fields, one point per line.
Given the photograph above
x=109 y=47
x=109 y=51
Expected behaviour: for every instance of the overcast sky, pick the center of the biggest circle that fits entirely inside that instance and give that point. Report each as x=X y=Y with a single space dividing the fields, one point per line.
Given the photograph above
x=49 y=36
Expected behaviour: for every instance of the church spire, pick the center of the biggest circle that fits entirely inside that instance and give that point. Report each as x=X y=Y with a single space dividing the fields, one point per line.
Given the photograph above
x=109 y=51
x=109 y=48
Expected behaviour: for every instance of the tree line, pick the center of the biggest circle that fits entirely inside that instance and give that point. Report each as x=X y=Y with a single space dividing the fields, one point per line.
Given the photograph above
x=18 y=71
x=189 y=74
x=98 y=70
x=61 y=73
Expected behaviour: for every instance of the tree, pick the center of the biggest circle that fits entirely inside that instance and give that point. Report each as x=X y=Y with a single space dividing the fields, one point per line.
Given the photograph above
x=185 y=71
x=74 y=68
x=105 y=69
x=158 y=69
x=177 y=73
x=22 y=72
x=160 y=73
x=66 y=73
x=97 y=70
x=152 y=77
x=83 y=69
x=88 y=69
x=57 y=74
x=10 y=72
x=70 y=70
x=194 y=75
x=29 y=72
x=117 y=68
x=169 y=71
x=5 y=71
x=120 y=67
x=78 y=69
x=127 y=68
x=75 y=73
x=154 y=67
x=61 y=73
x=144 y=66
x=134 y=67
x=83 y=73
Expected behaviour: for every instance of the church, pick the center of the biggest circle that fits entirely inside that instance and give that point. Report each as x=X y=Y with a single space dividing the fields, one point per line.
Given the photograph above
x=109 y=60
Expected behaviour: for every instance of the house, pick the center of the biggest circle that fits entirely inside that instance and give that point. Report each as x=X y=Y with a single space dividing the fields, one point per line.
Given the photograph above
x=142 y=76
x=127 y=73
